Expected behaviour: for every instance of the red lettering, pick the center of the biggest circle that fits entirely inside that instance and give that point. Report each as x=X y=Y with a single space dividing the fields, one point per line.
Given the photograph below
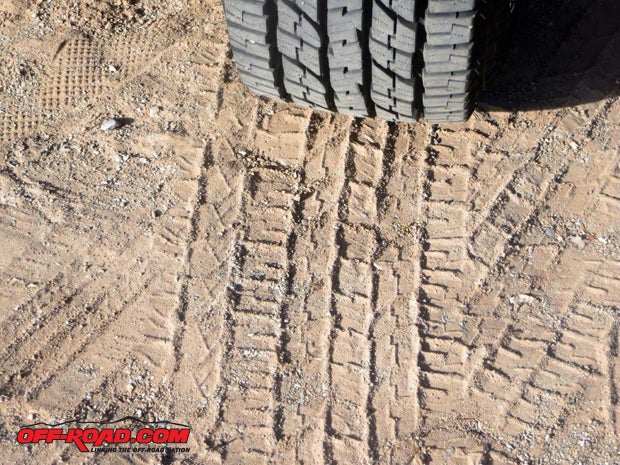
x=144 y=436
x=160 y=436
x=179 y=436
x=90 y=435
x=53 y=435
x=105 y=435
x=97 y=437
x=75 y=436
x=25 y=436
x=39 y=435
x=122 y=436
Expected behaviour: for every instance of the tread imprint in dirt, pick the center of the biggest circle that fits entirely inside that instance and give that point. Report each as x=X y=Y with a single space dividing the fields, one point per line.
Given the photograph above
x=559 y=361
x=342 y=298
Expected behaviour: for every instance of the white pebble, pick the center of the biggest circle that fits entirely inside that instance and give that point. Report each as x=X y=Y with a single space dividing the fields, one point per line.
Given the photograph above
x=577 y=241
x=527 y=299
x=110 y=124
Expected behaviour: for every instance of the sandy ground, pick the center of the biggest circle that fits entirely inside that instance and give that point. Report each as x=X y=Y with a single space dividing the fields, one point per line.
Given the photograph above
x=301 y=287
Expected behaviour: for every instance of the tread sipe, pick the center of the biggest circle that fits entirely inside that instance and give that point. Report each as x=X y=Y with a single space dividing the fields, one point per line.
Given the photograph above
x=394 y=59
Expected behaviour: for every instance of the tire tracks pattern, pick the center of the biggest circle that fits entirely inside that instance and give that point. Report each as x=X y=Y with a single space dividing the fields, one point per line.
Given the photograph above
x=322 y=290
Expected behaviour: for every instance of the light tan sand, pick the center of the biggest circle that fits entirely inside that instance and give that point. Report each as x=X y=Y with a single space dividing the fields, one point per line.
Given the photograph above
x=298 y=287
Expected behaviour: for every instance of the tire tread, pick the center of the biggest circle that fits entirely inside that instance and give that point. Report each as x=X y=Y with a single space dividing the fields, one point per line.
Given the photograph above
x=379 y=58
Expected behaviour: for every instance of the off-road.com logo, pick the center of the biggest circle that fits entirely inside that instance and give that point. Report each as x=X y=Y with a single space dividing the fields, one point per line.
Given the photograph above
x=97 y=438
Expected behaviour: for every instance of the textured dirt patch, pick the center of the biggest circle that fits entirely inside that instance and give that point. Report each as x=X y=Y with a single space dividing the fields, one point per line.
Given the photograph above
x=301 y=287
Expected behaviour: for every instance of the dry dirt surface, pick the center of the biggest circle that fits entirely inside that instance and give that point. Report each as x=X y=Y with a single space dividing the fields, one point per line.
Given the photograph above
x=300 y=287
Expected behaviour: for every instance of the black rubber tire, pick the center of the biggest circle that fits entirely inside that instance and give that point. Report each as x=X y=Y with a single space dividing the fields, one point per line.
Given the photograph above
x=393 y=59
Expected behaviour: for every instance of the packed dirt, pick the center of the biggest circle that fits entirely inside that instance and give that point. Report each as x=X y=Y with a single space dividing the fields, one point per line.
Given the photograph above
x=300 y=287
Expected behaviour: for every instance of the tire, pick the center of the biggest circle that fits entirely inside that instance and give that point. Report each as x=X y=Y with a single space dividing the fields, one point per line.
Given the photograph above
x=393 y=59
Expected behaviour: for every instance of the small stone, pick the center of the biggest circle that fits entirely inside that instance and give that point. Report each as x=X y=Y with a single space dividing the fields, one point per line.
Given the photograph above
x=577 y=242
x=527 y=299
x=110 y=124
x=550 y=232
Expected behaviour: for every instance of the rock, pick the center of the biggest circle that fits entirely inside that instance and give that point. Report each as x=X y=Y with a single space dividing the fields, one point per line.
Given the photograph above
x=577 y=242
x=527 y=299
x=115 y=123
x=110 y=124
